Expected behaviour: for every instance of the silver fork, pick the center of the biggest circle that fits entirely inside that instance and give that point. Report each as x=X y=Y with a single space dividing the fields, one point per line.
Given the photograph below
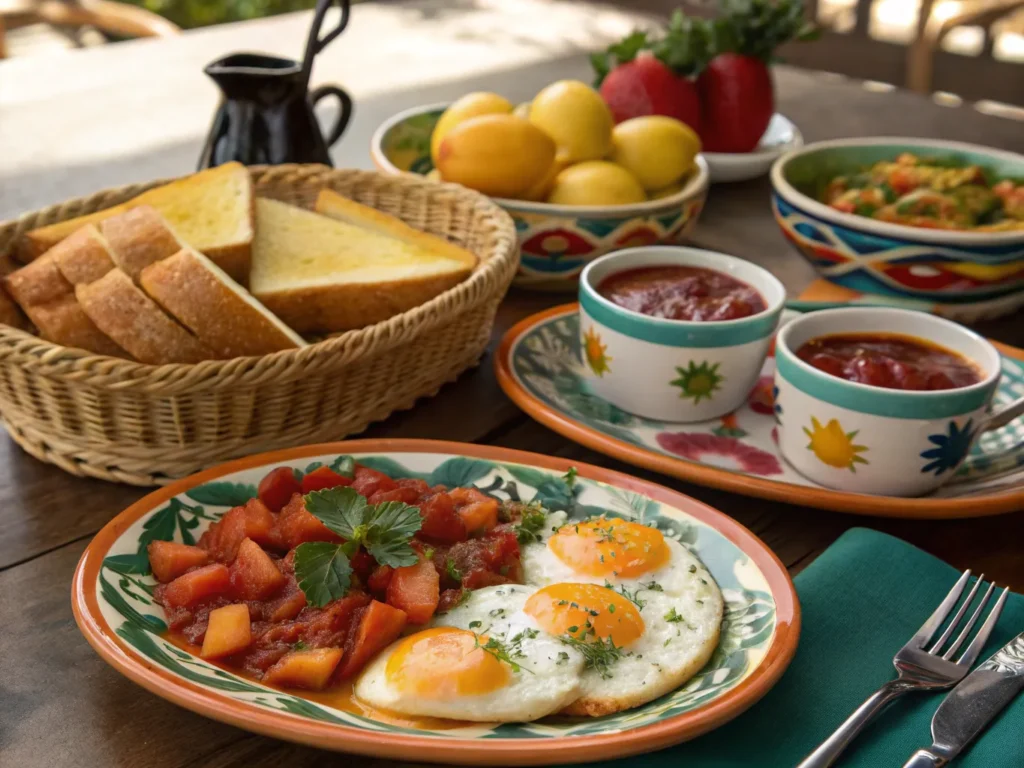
x=921 y=668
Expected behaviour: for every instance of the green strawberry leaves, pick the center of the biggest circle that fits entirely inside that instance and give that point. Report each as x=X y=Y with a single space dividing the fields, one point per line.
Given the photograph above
x=323 y=572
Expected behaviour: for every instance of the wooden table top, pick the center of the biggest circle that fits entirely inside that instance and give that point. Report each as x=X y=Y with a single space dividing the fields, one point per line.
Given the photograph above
x=59 y=703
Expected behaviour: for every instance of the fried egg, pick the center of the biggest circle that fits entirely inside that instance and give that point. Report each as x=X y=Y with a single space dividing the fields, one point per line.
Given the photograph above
x=607 y=550
x=483 y=661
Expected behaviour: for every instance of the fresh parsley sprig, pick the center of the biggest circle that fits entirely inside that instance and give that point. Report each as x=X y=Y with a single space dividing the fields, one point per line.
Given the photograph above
x=384 y=530
x=532 y=518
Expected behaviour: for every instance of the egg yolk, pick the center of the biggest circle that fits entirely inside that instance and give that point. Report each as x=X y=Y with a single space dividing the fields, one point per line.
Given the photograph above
x=585 y=611
x=443 y=664
x=610 y=547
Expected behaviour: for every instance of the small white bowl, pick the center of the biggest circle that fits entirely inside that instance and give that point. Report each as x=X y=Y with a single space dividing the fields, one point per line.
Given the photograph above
x=867 y=439
x=780 y=137
x=674 y=370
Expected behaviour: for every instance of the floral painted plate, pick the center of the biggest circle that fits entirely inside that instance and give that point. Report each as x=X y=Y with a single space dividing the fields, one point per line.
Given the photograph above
x=538 y=366
x=113 y=605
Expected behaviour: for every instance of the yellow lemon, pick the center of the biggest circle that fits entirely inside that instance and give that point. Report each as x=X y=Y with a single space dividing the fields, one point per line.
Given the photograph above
x=658 y=150
x=668 y=191
x=470 y=105
x=499 y=155
x=542 y=188
x=522 y=110
x=596 y=182
x=576 y=117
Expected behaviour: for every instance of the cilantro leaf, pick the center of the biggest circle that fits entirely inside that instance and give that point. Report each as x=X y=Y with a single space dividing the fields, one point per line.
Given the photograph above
x=391 y=527
x=323 y=572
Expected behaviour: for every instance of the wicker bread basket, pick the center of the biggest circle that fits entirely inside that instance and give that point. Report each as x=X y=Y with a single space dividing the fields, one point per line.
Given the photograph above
x=123 y=421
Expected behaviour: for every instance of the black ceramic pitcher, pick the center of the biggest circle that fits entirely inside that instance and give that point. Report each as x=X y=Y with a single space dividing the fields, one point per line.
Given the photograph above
x=267 y=115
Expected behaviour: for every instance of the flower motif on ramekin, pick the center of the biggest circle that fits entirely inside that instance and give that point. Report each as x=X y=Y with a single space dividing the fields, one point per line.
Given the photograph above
x=724 y=452
x=729 y=427
x=951 y=448
x=555 y=243
x=776 y=408
x=834 y=446
x=762 y=396
x=594 y=352
x=699 y=382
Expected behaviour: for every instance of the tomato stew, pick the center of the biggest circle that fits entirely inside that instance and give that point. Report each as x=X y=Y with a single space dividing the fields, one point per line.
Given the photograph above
x=682 y=293
x=889 y=360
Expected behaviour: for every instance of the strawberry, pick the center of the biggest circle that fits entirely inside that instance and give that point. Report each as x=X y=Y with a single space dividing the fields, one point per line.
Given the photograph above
x=646 y=86
x=738 y=102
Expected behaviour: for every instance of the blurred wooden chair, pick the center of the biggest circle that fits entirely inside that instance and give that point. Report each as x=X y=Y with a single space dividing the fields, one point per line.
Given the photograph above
x=111 y=19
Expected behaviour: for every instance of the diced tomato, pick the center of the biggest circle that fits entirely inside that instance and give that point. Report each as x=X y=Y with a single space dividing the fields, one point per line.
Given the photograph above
x=168 y=559
x=254 y=575
x=297 y=526
x=190 y=589
x=330 y=626
x=228 y=632
x=421 y=486
x=449 y=599
x=478 y=511
x=489 y=560
x=379 y=626
x=363 y=564
x=322 y=478
x=309 y=669
x=441 y=523
x=278 y=487
x=287 y=606
x=379 y=580
x=253 y=521
x=416 y=590
x=368 y=481
x=405 y=495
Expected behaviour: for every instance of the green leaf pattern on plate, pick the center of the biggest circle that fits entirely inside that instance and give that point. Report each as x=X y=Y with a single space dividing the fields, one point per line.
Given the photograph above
x=746 y=631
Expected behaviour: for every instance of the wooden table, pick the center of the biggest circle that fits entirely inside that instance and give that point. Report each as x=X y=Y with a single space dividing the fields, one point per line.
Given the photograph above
x=59 y=704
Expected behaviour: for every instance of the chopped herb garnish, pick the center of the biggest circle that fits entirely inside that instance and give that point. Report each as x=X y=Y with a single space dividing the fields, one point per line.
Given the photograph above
x=633 y=597
x=574 y=628
x=673 y=616
x=497 y=649
x=611 y=608
x=693 y=569
x=497 y=613
x=562 y=658
x=475 y=624
x=653 y=586
x=531 y=522
x=570 y=477
x=428 y=553
x=598 y=654
x=453 y=573
x=299 y=646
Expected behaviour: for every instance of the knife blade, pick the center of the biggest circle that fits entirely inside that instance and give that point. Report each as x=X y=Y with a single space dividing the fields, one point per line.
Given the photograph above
x=973 y=704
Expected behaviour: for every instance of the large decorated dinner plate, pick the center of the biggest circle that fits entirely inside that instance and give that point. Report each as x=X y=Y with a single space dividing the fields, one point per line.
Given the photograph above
x=114 y=605
x=539 y=366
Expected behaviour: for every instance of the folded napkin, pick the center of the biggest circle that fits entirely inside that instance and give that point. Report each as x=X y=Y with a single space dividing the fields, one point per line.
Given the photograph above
x=861 y=601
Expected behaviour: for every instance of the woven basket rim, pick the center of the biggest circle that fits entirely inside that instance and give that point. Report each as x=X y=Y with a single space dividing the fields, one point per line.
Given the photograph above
x=56 y=360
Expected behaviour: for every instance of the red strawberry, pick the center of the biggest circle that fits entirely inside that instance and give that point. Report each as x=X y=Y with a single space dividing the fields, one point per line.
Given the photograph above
x=737 y=102
x=645 y=86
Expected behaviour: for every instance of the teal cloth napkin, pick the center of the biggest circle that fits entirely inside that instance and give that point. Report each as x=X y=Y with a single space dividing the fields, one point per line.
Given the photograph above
x=861 y=601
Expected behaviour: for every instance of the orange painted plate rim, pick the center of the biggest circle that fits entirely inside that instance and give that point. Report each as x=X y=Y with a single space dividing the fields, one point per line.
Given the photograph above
x=489 y=751
x=727 y=480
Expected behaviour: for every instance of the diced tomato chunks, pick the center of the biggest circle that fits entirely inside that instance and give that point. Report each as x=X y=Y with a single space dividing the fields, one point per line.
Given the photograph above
x=190 y=589
x=278 y=487
x=309 y=669
x=406 y=495
x=253 y=521
x=228 y=632
x=379 y=626
x=441 y=523
x=478 y=511
x=379 y=579
x=168 y=559
x=288 y=605
x=297 y=526
x=363 y=564
x=416 y=590
x=322 y=478
x=330 y=626
x=368 y=481
x=254 y=575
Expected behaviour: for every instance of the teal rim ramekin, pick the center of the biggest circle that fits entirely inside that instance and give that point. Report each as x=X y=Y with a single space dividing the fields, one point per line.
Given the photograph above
x=682 y=333
x=881 y=401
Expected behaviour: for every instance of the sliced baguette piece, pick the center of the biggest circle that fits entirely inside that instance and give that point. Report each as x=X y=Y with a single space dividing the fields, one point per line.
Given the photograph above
x=211 y=210
x=64 y=322
x=82 y=257
x=322 y=275
x=224 y=315
x=127 y=315
x=137 y=238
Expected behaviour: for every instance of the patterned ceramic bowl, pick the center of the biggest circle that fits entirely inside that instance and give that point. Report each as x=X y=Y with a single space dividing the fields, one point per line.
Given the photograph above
x=949 y=267
x=856 y=437
x=674 y=370
x=557 y=241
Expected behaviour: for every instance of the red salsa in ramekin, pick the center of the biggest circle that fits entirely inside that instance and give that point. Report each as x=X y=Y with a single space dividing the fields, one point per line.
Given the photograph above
x=694 y=294
x=889 y=360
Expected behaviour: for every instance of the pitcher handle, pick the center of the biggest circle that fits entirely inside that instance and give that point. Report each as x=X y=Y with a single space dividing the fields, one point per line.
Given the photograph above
x=315 y=43
x=344 y=110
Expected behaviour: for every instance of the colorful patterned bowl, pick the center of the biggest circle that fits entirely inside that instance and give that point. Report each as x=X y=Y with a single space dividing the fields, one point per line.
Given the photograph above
x=894 y=259
x=557 y=241
x=674 y=370
x=866 y=439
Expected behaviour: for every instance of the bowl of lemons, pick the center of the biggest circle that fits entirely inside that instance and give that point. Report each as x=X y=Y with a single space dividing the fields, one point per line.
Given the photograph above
x=576 y=184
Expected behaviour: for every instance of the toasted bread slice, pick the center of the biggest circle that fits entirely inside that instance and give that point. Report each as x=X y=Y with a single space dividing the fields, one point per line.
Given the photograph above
x=82 y=257
x=211 y=210
x=215 y=308
x=319 y=274
x=10 y=312
x=64 y=322
x=124 y=313
x=137 y=238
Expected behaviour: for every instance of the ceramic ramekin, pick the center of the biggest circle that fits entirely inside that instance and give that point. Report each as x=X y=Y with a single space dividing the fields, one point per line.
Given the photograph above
x=674 y=370
x=861 y=438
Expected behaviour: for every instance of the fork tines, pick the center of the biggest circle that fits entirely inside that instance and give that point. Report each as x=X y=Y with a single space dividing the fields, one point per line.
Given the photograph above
x=936 y=620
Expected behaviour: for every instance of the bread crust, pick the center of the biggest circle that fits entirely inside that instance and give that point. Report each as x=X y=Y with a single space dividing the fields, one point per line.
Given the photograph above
x=64 y=322
x=212 y=306
x=135 y=322
x=83 y=256
x=137 y=238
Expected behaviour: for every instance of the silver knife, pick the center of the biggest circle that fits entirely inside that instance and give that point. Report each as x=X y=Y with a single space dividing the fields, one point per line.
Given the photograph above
x=973 y=704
